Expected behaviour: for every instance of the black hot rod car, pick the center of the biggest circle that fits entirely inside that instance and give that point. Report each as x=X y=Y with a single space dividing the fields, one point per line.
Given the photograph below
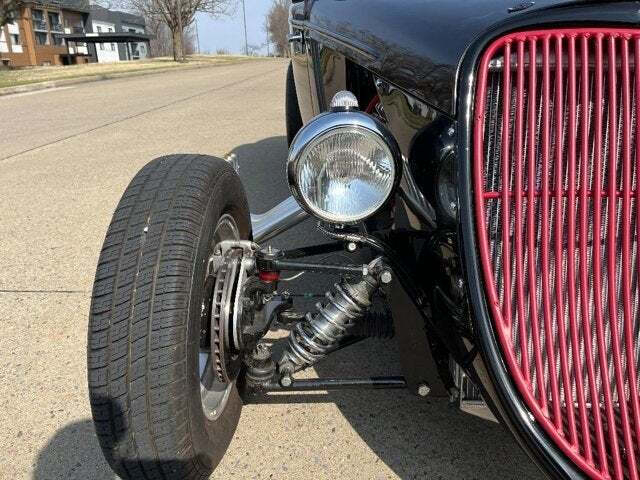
x=481 y=157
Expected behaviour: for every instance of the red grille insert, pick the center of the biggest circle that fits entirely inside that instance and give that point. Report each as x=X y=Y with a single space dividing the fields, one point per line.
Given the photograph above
x=556 y=196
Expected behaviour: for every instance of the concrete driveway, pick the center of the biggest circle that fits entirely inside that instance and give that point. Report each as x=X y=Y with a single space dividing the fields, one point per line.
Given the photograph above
x=65 y=158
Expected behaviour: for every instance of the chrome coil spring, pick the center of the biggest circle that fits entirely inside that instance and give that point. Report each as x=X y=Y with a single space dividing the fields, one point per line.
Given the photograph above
x=311 y=339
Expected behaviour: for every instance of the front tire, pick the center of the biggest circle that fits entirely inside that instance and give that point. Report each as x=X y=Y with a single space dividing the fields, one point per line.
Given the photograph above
x=144 y=343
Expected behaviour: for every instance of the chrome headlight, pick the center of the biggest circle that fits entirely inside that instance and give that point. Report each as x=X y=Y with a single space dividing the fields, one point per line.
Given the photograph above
x=343 y=166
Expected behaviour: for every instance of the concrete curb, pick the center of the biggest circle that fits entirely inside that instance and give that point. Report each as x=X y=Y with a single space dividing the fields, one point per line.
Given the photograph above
x=32 y=87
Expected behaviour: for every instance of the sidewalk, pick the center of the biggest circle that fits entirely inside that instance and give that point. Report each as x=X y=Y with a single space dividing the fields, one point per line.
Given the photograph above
x=39 y=78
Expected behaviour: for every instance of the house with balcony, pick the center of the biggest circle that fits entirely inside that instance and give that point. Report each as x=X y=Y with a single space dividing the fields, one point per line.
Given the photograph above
x=67 y=32
x=36 y=35
x=124 y=25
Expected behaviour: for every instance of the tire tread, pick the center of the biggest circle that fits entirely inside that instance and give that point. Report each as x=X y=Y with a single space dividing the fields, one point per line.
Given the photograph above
x=137 y=344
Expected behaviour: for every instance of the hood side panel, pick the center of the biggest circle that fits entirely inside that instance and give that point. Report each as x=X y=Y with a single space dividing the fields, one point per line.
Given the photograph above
x=418 y=44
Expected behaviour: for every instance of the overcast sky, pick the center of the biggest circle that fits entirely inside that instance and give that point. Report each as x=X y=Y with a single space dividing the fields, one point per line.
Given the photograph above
x=228 y=32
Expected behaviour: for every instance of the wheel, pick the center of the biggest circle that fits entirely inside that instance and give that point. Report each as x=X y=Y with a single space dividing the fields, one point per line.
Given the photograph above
x=292 y=110
x=158 y=409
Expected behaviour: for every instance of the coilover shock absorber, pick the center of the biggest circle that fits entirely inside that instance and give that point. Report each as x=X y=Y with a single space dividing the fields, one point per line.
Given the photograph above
x=312 y=338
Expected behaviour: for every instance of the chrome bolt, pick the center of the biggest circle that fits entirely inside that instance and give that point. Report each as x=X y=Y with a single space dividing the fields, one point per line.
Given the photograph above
x=386 y=277
x=232 y=159
x=381 y=85
x=286 y=381
x=351 y=246
x=424 y=389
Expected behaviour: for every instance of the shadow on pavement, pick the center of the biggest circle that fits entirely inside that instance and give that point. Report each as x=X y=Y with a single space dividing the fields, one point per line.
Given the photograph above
x=416 y=438
x=73 y=452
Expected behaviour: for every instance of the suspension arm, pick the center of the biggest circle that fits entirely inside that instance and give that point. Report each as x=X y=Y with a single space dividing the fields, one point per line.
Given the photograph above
x=338 y=384
x=288 y=265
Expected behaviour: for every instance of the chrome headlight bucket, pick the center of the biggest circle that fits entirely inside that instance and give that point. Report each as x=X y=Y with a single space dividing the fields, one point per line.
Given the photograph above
x=343 y=166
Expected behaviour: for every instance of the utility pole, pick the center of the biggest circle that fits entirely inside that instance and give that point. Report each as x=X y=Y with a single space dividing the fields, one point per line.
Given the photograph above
x=181 y=52
x=244 y=16
x=267 y=42
x=197 y=35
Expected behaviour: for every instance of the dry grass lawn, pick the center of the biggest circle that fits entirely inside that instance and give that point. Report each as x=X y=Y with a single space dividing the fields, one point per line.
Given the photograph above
x=27 y=75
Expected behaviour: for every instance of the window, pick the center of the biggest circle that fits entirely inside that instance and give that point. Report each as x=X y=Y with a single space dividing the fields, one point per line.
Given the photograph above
x=57 y=40
x=54 y=22
x=42 y=38
x=3 y=42
x=100 y=45
x=15 y=39
x=38 y=20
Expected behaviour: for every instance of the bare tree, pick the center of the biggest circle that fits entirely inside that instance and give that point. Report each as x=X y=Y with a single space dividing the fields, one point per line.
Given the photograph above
x=8 y=11
x=190 y=43
x=161 y=45
x=277 y=25
x=253 y=49
x=177 y=15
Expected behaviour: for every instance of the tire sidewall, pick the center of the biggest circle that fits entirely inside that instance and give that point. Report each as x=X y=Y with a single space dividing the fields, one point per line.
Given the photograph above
x=210 y=439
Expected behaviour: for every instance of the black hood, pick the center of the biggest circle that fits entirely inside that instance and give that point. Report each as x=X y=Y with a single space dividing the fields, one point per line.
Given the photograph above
x=419 y=44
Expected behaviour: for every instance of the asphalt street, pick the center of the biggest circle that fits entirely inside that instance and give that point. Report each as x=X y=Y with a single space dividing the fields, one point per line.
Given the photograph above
x=66 y=156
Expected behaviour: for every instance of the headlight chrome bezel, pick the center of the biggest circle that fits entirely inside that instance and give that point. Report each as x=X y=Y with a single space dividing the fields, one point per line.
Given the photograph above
x=322 y=125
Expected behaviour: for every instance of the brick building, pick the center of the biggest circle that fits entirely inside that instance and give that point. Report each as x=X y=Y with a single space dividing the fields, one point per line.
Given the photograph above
x=67 y=32
x=36 y=36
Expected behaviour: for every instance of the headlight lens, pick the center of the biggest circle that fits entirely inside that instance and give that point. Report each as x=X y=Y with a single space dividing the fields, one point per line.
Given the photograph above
x=345 y=174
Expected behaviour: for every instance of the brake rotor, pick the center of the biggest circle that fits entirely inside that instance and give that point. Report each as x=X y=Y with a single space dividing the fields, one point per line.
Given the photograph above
x=226 y=360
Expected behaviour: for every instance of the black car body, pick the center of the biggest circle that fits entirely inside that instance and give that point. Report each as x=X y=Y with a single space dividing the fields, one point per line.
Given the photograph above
x=419 y=60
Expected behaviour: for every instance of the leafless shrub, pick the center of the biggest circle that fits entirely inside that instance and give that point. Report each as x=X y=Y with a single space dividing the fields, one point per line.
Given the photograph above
x=277 y=25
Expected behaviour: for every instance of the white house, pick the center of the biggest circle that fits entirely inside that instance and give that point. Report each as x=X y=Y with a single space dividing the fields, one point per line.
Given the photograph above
x=126 y=26
x=136 y=50
x=106 y=52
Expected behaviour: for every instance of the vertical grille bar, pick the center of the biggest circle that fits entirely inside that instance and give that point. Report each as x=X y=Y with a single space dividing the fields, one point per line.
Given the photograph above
x=571 y=236
x=637 y=192
x=506 y=208
x=557 y=205
x=584 y=242
x=531 y=234
x=626 y=240
x=558 y=244
x=611 y=254
x=548 y=330
x=524 y=344
x=597 y=258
